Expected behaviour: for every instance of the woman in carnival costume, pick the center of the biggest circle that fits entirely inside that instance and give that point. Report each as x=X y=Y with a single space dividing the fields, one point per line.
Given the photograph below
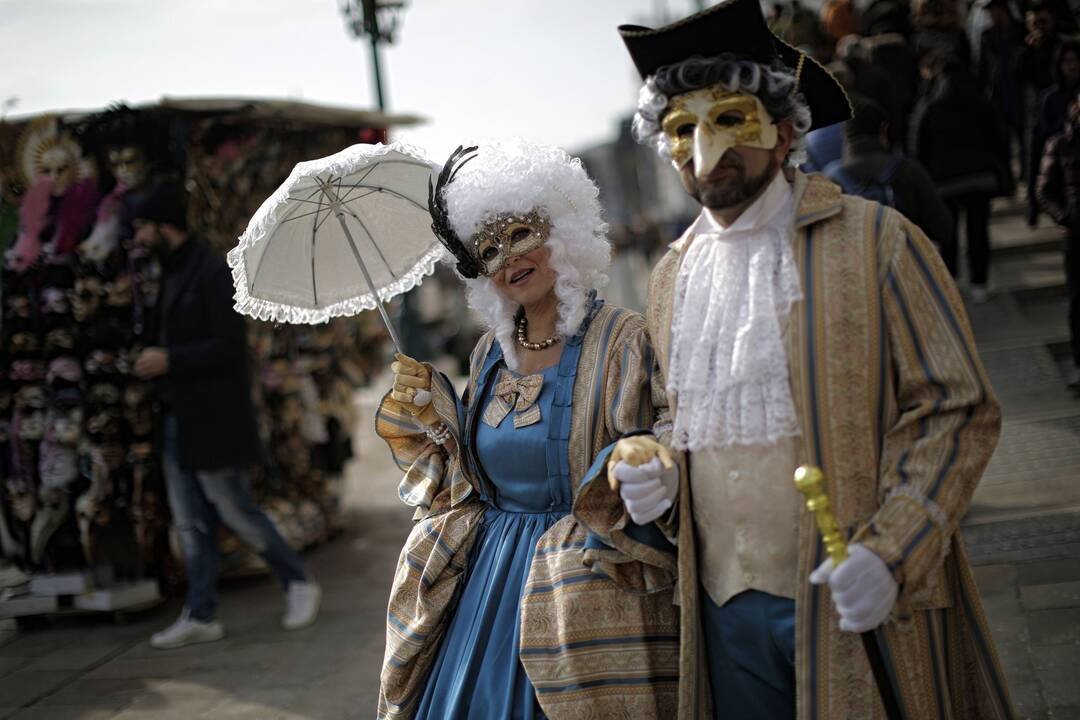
x=504 y=604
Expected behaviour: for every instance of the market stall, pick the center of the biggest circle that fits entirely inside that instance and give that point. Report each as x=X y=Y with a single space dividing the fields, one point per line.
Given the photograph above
x=82 y=503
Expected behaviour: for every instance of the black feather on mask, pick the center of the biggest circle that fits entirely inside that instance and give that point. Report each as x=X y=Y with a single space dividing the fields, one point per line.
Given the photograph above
x=440 y=219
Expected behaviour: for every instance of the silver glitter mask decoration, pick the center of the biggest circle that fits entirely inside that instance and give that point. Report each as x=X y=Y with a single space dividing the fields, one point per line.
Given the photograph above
x=506 y=236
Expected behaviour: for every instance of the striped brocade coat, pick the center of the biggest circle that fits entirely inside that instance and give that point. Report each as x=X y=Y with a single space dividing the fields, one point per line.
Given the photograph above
x=599 y=629
x=896 y=408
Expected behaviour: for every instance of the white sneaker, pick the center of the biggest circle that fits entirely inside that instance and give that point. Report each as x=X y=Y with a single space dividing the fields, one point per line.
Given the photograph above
x=301 y=605
x=186 y=631
x=980 y=294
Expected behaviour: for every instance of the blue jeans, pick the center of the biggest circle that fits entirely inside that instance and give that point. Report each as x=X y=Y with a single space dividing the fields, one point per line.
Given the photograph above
x=751 y=649
x=199 y=500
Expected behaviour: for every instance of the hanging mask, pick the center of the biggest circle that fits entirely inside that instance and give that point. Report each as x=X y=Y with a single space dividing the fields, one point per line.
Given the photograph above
x=24 y=343
x=128 y=165
x=104 y=424
x=704 y=124
x=85 y=297
x=67 y=427
x=19 y=306
x=54 y=300
x=32 y=425
x=66 y=369
x=31 y=396
x=27 y=371
x=59 y=340
x=100 y=362
x=103 y=394
x=118 y=293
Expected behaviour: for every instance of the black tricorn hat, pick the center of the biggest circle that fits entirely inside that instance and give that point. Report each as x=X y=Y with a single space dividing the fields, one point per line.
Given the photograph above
x=737 y=27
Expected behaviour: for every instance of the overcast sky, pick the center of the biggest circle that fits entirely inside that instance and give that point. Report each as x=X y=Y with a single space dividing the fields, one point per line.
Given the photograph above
x=554 y=71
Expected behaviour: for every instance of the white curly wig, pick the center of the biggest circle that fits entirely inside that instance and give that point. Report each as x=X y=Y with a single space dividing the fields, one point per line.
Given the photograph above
x=515 y=177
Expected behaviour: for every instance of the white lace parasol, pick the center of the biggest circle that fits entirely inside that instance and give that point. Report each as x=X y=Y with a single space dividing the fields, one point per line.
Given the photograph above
x=342 y=234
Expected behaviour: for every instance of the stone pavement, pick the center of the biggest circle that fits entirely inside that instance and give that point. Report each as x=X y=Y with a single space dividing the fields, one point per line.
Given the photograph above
x=1023 y=529
x=1023 y=533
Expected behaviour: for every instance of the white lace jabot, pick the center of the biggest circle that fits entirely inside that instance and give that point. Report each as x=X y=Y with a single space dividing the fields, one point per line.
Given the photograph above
x=728 y=364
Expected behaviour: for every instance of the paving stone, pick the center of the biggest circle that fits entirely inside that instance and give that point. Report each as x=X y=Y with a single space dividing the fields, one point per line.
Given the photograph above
x=67 y=712
x=1038 y=449
x=1062 y=712
x=1046 y=597
x=1057 y=665
x=1055 y=627
x=1027 y=696
x=25 y=686
x=1049 y=571
x=11 y=663
x=77 y=657
x=996 y=580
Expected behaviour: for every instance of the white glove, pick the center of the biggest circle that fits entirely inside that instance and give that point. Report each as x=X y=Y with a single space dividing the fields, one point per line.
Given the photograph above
x=863 y=589
x=647 y=490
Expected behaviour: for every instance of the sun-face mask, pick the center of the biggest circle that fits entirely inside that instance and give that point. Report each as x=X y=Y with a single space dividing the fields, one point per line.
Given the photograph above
x=704 y=124
x=507 y=236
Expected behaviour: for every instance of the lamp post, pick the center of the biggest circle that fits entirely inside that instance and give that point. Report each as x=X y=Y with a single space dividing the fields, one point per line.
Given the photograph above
x=377 y=20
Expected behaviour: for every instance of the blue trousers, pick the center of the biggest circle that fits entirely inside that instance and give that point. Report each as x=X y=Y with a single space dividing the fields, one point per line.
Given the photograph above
x=751 y=650
x=201 y=499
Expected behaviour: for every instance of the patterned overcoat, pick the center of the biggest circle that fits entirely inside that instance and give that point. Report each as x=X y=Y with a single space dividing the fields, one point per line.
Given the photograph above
x=896 y=408
x=599 y=628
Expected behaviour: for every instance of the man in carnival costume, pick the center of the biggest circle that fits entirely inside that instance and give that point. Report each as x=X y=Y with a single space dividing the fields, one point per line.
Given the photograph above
x=794 y=325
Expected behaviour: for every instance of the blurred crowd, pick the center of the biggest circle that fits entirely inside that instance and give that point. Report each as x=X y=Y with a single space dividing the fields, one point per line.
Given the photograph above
x=954 y=105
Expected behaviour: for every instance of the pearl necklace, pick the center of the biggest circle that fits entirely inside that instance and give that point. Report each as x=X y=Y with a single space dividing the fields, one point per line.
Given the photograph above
x=522 y=338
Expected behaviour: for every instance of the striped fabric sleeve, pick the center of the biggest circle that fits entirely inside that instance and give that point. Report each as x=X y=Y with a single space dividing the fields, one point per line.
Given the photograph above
x=639 y=558
x=429 y=468
x=949 y=419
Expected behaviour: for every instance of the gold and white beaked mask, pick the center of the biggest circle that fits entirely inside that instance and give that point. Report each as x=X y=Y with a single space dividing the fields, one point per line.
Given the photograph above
x=704 y=124
x=506 y=236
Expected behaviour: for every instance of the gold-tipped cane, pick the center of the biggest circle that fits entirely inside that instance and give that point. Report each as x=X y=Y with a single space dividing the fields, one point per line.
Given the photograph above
x=810 y=481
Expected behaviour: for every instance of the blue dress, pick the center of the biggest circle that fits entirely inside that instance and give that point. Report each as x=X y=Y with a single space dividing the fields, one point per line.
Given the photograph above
x=477 y=673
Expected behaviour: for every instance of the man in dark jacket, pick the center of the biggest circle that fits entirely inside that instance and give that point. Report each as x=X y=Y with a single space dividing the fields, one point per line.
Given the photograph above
x=1058 y=191
x=1036 y=66
x=955 y=135
x=1000 y=48
x=210 y=434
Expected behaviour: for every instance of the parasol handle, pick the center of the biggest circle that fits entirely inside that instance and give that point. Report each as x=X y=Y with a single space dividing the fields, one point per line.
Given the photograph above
x=371 y=285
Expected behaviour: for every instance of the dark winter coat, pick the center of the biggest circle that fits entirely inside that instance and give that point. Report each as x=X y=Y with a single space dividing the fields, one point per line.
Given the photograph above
x=956 y=135
x=208 y=384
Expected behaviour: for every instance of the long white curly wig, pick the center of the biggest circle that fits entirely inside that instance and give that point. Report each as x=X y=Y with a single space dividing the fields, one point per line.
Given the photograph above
x=515 y=177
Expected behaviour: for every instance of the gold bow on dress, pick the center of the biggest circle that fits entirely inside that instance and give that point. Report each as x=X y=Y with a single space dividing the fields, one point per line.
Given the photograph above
x=515 y=393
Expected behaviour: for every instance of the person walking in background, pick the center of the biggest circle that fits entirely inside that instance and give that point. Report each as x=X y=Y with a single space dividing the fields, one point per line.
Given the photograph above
x=955 y=134
x=1000 y=47
x=1036 y=74
x=210 y=435
x=1055 y=101
x=1058 y=192
x=871 y=169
